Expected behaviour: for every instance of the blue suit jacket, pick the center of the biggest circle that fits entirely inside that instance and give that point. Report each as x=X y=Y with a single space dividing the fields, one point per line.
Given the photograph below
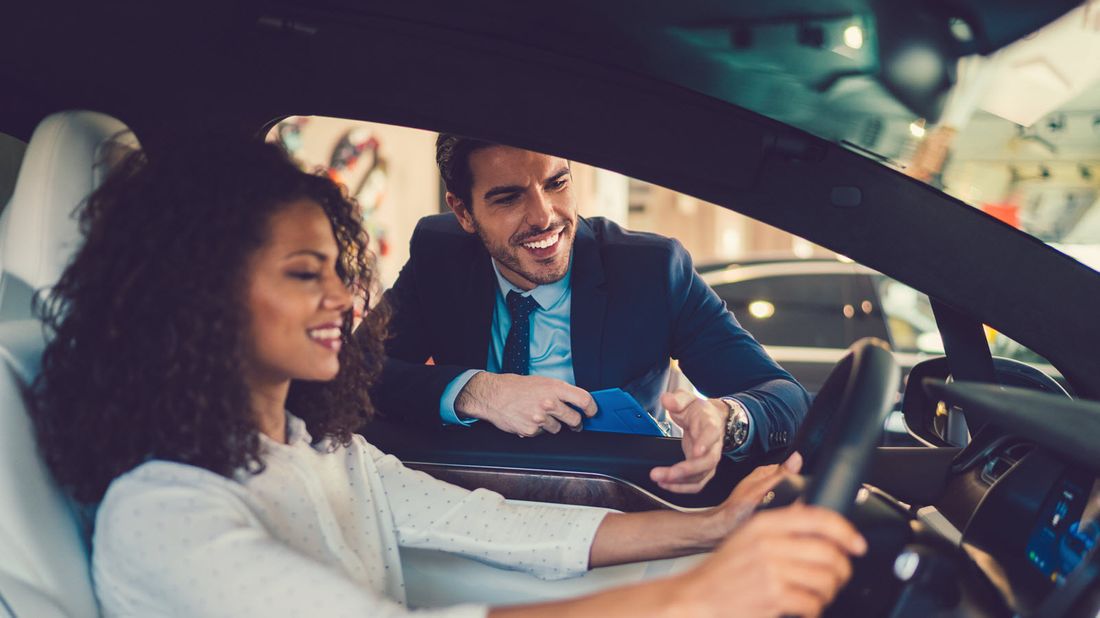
x=637 y=302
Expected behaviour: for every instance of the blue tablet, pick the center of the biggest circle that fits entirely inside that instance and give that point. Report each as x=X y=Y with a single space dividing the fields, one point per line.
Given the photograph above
x=618 y=412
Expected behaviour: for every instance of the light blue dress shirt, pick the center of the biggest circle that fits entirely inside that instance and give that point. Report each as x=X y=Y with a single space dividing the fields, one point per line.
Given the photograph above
x=551 y=345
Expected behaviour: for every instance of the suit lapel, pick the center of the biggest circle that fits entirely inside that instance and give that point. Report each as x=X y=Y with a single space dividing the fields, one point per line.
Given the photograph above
x=589 y=305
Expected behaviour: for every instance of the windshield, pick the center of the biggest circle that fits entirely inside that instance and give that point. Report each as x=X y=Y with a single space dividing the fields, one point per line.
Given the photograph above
x=1014 y=132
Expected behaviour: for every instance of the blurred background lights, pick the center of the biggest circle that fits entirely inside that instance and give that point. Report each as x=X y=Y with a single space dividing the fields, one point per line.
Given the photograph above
x=853 y=37
x=761 y=309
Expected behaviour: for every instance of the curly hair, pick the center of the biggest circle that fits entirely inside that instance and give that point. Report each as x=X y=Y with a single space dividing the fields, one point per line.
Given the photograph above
x=147 y=321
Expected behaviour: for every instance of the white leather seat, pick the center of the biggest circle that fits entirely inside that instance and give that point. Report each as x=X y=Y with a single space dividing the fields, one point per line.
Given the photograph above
x=44 y=568
x=43 y=559
x=39 y=232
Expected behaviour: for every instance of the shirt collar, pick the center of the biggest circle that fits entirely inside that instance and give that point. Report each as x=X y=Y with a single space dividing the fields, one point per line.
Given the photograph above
x=295 y=432
x=545 y=295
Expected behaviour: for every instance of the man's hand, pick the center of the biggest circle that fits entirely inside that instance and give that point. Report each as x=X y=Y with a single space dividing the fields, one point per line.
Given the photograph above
x=787 y=562
x=704 y=425
x=524 y=405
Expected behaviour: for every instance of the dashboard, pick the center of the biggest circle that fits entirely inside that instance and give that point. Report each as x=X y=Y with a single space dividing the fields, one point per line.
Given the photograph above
x=1066 y=528
x=1026 y=496
x=1036 y=525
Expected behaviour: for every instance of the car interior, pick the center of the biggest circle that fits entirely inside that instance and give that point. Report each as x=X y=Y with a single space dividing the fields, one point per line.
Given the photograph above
x=995 y=512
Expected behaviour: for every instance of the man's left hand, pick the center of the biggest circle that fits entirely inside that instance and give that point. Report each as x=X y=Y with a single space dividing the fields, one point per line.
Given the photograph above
x=704 y=425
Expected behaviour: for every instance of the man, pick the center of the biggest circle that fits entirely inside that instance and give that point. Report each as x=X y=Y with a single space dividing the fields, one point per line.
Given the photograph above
x=525 y=308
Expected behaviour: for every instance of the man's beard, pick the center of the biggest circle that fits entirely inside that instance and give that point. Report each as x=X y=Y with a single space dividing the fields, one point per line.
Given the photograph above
x=507 y=254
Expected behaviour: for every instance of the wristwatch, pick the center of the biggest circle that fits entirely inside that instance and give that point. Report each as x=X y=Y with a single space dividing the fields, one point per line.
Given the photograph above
x=737 y=425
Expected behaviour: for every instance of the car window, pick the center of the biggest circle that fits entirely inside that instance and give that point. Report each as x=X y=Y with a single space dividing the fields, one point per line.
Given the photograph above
x=1006 y=347
x=812 y=310
x=909 y=317
x=11 y=157
x=913 y=327
x=391 y=171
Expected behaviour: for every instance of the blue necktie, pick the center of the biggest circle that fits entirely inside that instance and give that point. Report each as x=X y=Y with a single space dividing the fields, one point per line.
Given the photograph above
x=517 y=347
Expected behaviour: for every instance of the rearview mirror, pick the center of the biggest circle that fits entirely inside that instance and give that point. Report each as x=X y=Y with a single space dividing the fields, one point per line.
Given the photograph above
x=917 y=54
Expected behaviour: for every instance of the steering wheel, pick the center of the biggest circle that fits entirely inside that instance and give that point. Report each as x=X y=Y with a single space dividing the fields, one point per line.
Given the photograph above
x=844 y=424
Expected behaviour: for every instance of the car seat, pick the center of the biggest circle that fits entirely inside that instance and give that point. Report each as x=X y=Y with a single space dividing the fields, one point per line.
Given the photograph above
x=44 y=566
x=37 y=229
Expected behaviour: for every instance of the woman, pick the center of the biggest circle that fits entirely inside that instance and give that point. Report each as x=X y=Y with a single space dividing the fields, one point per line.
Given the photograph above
x=199 y=384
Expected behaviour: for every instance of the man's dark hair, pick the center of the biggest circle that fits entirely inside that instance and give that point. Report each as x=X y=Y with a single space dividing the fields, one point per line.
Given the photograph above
x=452 y=154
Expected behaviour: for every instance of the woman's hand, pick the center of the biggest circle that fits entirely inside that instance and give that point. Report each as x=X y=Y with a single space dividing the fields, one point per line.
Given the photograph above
x=746 y=496
x=782 y=562
x=785 y=562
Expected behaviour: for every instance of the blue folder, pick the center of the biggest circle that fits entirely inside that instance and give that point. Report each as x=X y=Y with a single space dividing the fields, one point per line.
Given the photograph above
x=618 y=412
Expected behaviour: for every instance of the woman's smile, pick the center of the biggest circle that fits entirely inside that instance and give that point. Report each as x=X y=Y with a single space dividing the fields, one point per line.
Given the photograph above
x=327 y=336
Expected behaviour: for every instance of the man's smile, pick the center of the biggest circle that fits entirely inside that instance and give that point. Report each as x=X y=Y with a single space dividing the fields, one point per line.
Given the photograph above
x=547 y=244
x=545 y=241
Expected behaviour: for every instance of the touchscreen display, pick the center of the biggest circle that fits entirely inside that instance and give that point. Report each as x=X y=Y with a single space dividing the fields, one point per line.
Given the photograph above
x=1067 y=528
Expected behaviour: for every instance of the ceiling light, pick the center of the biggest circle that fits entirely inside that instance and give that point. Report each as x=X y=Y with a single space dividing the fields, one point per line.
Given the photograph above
x=961 y=30
x=916 y=128
x=853 y=37
x=802 y=248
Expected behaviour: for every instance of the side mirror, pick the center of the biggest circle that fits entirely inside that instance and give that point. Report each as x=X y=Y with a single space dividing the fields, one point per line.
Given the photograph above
x=922 y=415
x=936 y=424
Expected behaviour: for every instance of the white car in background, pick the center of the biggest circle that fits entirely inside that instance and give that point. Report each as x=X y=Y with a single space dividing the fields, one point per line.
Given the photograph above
x=807 y=312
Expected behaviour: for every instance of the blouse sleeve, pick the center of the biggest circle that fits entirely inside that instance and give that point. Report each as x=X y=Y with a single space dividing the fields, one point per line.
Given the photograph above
x=193 y=549
x=550 y=542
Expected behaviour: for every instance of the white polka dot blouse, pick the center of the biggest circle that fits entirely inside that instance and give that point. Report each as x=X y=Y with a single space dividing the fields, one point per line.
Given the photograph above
x=316 y=534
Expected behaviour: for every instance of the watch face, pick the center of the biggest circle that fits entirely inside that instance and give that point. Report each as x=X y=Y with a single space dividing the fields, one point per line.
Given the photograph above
x=737 y=427
x=740 y=428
